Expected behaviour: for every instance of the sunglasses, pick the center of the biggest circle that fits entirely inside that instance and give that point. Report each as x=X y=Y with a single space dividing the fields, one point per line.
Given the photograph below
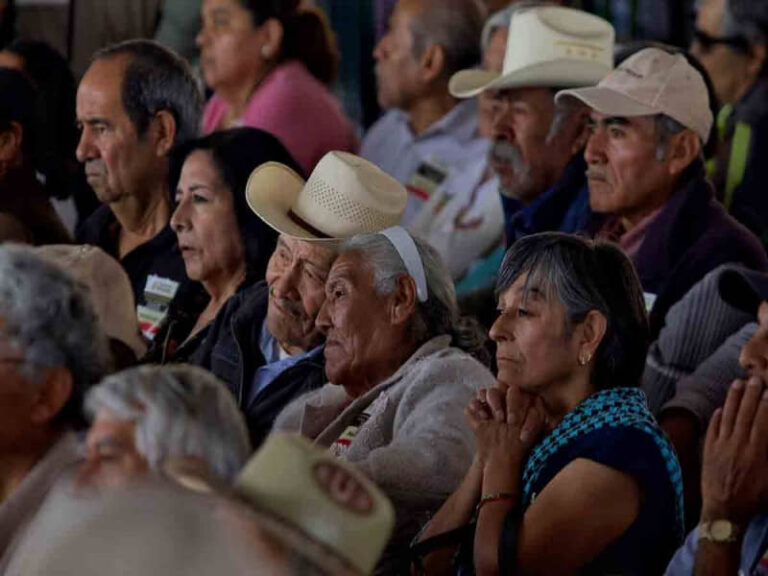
x=707 y=41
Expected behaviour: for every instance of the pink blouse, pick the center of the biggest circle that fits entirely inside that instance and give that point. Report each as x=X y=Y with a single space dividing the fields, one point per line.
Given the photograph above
x=298 y=109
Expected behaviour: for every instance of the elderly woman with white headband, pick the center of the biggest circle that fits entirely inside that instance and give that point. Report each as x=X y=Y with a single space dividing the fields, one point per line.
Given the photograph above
x=402 y=365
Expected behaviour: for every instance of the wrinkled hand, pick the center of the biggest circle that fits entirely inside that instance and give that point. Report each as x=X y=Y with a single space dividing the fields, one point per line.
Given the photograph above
x=734 y=481
x=506 y=423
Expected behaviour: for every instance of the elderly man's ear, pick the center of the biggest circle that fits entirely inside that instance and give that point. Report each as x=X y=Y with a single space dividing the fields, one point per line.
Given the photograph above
x=682 y=150
x=163 y=132
x=432 y=63
x=403 y=300
x=53 y=393
x=580 y=120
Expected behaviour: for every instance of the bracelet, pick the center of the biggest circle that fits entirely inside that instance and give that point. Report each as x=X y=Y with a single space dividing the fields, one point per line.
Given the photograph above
x=494 y=497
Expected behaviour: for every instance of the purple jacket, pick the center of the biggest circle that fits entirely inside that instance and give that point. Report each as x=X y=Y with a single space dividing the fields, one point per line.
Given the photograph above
x=690 y=237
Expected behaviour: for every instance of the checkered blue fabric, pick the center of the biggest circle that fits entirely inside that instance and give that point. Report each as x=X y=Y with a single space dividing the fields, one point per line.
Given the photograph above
x=614 y=408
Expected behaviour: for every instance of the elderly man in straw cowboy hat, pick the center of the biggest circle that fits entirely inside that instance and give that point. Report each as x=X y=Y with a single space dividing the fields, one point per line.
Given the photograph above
x=265 y=344
x=537 y=144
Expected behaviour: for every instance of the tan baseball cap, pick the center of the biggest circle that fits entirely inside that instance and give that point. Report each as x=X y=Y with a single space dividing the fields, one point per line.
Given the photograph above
x=648 y=83
x=109 y=286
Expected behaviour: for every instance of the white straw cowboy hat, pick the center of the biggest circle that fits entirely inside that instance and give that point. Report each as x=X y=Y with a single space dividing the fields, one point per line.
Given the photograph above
x=345 y=195
x=317 y=504
x=547 y=46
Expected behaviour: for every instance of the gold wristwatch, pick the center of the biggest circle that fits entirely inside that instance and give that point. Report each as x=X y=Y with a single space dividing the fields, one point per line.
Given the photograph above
x=719 y=531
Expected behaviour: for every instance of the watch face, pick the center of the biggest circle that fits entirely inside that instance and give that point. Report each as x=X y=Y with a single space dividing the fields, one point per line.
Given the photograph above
x=721 y=530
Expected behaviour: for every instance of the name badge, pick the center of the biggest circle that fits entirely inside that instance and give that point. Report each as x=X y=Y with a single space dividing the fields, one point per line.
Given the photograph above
x=159 y=289
x=427 y=178
x=158 y=293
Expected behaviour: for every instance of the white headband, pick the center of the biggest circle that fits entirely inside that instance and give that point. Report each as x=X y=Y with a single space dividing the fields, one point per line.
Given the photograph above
x=409 y=254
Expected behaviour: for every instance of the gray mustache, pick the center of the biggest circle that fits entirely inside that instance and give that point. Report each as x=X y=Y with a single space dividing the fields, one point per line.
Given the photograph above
x=289 y=306
x=503 y=152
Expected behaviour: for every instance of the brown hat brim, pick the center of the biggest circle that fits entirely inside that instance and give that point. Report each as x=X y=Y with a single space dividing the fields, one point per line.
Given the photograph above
x=271 y=193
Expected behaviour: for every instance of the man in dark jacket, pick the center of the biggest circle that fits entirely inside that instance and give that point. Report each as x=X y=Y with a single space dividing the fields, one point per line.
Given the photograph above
x=265 y=344
x=646 y=177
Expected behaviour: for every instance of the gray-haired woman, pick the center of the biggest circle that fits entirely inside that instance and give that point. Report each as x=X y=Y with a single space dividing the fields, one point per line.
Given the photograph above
x=572 y=474
x=400 y=361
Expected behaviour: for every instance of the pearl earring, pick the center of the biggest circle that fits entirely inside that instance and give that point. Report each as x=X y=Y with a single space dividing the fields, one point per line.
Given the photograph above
x=266 y=52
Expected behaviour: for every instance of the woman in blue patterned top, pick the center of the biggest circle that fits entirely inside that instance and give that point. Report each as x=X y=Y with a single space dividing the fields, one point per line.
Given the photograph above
x=571 y=473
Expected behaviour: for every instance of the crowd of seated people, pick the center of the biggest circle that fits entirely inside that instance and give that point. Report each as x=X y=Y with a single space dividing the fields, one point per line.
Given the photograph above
x=519 y=325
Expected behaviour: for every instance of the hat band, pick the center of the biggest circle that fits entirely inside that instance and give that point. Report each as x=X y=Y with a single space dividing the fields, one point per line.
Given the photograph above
x=409 y=254
x=296 y=219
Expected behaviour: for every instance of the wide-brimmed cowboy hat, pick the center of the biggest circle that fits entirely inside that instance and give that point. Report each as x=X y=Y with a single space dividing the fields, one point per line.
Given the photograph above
x=345 y=195
x=547 y=46
x=318 y=504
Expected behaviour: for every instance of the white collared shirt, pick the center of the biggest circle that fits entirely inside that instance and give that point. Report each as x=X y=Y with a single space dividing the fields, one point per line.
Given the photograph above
x=452 y=145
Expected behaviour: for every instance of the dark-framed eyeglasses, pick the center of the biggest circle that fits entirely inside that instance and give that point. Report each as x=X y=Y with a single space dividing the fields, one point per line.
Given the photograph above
x=708 y=41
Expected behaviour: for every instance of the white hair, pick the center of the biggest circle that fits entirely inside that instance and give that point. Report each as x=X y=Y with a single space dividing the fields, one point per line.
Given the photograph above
x=180 y=411
x=440 y=313
x=49 y=317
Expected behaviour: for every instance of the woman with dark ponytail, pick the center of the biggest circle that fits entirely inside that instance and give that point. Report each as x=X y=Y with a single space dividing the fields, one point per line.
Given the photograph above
x=270 y=64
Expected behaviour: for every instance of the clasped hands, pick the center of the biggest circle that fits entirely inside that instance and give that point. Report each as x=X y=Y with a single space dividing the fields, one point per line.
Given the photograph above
x=507 y=422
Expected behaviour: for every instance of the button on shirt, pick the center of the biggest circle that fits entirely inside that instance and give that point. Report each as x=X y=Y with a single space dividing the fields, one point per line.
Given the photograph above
x=452 y=144
x=276 y=361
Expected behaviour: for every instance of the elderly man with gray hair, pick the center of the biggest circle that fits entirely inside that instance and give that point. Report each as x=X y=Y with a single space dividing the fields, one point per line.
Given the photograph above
x=731 y=41
x=51 y=350
x=177 y=420
x=403 y=364
x=426 y=139
x=464 y=221
x=537 y=144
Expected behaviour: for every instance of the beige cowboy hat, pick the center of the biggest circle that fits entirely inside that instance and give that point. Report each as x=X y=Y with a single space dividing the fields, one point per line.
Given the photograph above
x=317 y=504
x=345 y=195
x=548 y=46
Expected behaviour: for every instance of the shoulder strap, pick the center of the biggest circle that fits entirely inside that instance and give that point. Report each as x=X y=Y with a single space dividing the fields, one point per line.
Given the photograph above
x=452 y=538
